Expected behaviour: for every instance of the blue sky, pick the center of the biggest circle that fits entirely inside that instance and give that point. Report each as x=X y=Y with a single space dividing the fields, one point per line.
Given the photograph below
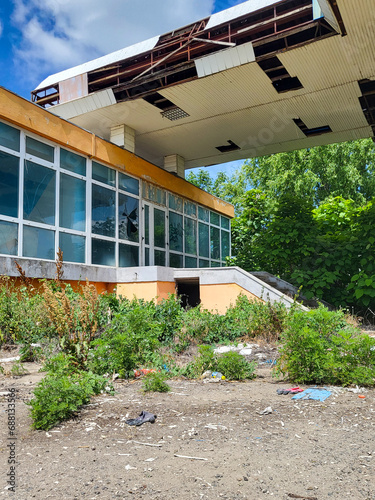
x=41 y=37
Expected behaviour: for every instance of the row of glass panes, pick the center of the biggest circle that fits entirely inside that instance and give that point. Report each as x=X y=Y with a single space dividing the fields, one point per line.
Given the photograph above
x=36 y=229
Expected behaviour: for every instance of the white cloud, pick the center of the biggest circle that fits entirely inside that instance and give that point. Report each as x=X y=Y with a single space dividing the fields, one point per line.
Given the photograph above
x=59 y=34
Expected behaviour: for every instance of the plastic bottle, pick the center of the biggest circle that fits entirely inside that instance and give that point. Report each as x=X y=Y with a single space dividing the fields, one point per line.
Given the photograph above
x=218 y=375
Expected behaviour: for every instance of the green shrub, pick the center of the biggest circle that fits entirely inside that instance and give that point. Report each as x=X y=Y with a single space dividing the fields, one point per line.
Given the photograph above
x=58 y=397
x=155 y=382
x=22 y=314
x=168 y=315
x=130 y=341
x=319 y=347
x=235 y=367
x=231 y=364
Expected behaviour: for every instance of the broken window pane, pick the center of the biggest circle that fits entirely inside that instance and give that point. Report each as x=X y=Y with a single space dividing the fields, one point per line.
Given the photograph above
x=128 y=218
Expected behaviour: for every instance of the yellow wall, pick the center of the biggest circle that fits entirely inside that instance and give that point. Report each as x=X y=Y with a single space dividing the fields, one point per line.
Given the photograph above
x=147 y=291
x=31 y=117
x=219 y=297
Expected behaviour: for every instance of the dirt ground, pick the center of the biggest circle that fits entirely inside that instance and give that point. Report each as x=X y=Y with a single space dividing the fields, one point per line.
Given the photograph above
x=303 y=449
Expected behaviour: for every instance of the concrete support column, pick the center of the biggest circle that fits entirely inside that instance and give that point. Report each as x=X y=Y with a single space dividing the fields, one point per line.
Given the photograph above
x=175 y=164
x=123 y=136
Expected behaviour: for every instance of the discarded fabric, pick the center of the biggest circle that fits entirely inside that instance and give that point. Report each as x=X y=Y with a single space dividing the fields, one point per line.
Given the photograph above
x=316 y=394
x=144 y=417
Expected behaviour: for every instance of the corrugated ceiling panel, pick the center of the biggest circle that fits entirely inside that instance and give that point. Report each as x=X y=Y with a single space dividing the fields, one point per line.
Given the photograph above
x=225 y=59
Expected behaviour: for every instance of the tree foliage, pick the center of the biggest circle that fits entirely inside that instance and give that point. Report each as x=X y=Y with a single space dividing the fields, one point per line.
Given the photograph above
x=307 y=216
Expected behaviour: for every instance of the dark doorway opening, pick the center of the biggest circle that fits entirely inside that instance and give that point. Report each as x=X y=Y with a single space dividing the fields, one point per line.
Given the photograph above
x=188 y=291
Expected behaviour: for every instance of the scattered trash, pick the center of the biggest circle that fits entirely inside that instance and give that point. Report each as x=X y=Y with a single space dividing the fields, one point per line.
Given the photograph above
x=356 y=389
x=9 y=360
x=315 y=394
x=362 y=396
x=242 y=349
x=215 y=427
x=266 y=411
x=143 y=371
x=191 y=458
x=206 y=374
x=218 y=375
x=145 y=444
x=144 y=417
x=129 y=467
x=150 y=459
x=293 y=390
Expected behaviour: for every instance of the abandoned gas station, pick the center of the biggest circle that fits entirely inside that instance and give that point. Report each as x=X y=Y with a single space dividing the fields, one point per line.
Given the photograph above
x=95 y=163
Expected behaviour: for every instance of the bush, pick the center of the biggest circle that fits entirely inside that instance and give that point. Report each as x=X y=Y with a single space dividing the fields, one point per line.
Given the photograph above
x=235 y=367
x=128 y=342
x=22 y=314
x=155 y=382
x=58 y=397
x=231 y=364
x=320 y=347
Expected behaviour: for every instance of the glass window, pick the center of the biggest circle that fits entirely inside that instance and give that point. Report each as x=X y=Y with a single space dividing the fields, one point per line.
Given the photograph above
x=215 y=264
x=73 y=247
x=225 y=246
x=204 y=240
x=204 y=263
x=128 y=183
x=9 y=172
x=215 y=243
x=71 y=161
x=147 y=256
x=159 y=258
x=103 y=252
x=190 y=262
x=190 y=208
x=9 y=137
x=225 y=223
x=159 y=229
x=128 y=256
x=103 y=211
x=176 y=203
x=39 y=149
x=8 y=238
x=176 y=232
x=215 y=218
x=176 y=260
x=103 y=174
x=161 y=197
x=39 y=194
x=128 y=218
x=147 y=225
x=203 y=214
x=72 y=203
x=190 y=236
x=38 y=243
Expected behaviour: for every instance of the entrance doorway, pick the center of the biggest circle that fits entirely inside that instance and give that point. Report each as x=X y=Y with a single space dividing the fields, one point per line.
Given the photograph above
x=188 y=291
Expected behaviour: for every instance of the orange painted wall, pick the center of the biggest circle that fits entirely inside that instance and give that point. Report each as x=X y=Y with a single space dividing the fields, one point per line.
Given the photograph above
x=146 y=291
x=219 y=297
x=76 y=285
x=31 y=117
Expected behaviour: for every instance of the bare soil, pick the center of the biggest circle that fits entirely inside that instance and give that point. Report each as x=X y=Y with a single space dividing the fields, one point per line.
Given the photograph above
x=303 y=449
